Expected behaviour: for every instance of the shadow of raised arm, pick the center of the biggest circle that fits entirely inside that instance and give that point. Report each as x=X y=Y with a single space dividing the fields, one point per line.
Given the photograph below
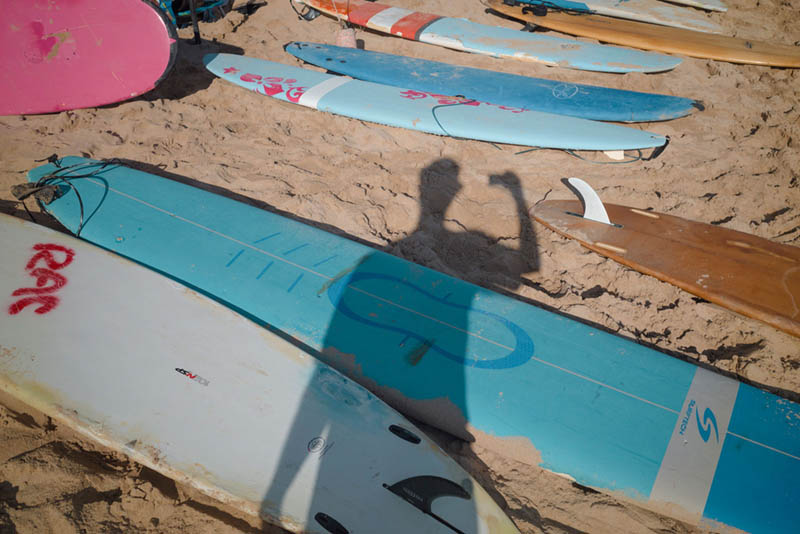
x=527 y=237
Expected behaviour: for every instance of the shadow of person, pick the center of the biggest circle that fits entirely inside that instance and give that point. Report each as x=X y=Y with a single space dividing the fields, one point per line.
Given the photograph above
x=468 y=254
x=403 y=330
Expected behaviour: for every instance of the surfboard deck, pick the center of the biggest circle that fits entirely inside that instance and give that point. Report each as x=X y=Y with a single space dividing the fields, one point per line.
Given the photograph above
x=649 y=11
x=68 y=54
x=538 y=94
x=199 y=393
x=610 y=413
x=423 y=111
x=662 y=39
x=467 y=36
x=742 y=272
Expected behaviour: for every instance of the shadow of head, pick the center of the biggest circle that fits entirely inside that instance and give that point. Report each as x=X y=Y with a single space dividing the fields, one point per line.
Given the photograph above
x=438 y=186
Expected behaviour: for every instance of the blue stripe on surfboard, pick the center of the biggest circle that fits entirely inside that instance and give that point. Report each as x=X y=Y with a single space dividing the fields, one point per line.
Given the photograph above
x=563 y=4
x=597 y=407
x=584 y=101
x=462 y=34
x=394 y=106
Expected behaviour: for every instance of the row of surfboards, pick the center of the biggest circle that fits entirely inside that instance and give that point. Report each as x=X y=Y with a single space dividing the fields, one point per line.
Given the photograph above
x=43 y=48
x=199 y=393
x=259 y=423
x=644 y=24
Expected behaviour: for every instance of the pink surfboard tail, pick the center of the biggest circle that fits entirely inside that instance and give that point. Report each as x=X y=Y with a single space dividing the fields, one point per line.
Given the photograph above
x=57 y=55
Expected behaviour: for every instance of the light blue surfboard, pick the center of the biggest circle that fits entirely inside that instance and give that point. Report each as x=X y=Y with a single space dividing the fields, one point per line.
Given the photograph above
x=424 y=112
x=575 y=100
x=608 y=412
x=467 y=36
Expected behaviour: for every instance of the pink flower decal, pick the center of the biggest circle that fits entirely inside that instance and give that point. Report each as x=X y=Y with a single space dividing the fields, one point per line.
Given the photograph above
x=271 y=89
x=251 y=78
x=231 y=70
x=448 y=100
x=413 y=95
x=293 y=94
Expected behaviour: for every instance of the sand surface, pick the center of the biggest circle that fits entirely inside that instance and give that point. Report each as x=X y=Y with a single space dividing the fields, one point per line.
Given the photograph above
x=736 y=164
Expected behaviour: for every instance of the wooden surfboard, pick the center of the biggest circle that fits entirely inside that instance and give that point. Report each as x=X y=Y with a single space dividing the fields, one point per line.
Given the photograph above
x=742 y=272
x=660 y=38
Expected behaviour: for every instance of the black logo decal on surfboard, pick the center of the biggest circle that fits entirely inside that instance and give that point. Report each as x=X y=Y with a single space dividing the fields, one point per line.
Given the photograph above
x=421 y=491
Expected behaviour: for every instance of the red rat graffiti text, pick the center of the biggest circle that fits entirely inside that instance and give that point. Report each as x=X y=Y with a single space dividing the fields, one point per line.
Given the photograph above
x=48 y=258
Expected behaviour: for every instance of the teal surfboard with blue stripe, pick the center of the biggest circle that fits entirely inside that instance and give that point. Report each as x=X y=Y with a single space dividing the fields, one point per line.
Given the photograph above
x=610 y=413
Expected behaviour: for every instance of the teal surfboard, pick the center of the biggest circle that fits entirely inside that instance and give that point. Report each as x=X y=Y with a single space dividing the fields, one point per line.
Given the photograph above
x=539 y=94
x=603 y=410
x=425 y=112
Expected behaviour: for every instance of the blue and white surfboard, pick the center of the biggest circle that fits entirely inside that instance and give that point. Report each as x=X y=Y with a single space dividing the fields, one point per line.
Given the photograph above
x=538 y=94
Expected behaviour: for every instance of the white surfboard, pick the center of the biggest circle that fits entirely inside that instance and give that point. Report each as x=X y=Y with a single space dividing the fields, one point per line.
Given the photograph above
x=652 y=11
x=189 y=388
x=708 y=5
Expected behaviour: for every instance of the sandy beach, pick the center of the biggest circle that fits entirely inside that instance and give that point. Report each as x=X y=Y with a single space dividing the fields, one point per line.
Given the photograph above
x=444 y=203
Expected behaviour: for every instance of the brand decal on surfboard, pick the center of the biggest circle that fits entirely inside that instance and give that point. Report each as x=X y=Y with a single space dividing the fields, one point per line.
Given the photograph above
x=319 y=446
x=43 y=265
x=197 y=378
x=703 y=428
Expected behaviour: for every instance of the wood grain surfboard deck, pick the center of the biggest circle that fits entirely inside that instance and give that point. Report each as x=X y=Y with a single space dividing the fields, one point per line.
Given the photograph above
x=745 y=273
x=659 y=38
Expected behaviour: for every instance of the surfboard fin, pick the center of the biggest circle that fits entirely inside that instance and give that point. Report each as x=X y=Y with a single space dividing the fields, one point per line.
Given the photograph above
x=593 y=208
x=421 y=491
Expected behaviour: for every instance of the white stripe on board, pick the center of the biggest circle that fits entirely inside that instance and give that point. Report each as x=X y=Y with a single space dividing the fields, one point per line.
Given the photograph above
x=312 y=96
x=690 y=462
x=387 y=18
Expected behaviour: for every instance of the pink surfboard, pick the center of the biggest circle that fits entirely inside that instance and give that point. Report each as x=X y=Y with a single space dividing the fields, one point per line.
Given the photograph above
x=57 y=55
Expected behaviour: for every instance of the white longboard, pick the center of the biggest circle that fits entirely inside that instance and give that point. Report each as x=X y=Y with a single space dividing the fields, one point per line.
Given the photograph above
x=189 y=388
x=652 y=11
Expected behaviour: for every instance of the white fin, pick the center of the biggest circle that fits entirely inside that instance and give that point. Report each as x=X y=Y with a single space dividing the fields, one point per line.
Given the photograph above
x=593 y=206
x=616 y=155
